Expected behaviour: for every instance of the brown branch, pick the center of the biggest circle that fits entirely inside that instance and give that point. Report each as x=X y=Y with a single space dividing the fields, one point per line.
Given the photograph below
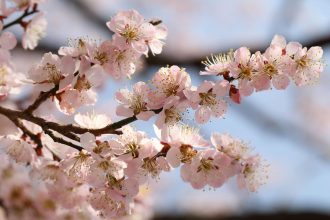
x=69 y=130
x=61 y=140
x=27 y=133
x=19 y=19
x=43 y=96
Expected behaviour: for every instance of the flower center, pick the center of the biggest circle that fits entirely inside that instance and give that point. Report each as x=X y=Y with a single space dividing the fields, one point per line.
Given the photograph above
x=132 y=148
x=138 y=105
x=245 y=73
x=172 y=115
x=303 y=62
x=54 y=75
x=206 y=165
x=82 y=84
x=187 y=153
x=102 y=57
x=130 y=33
x=151 y=166
x=208 y=98
x=270 y=69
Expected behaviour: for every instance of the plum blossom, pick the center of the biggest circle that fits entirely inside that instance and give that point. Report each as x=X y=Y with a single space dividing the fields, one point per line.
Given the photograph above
x=218 y=64
x=168 y=81
x=242 y=69
x=115 y=61
x=208 y=167
x=10 y=81
x=253 y=174
x=135 y=102
x=207 y=99
x=92 y=120
x=34 y=31
x=7 y=42
x=80 y=92
x=52 y=69
x=132 y=144
x=19 y=150
x=272 y=67
x=234 y=148
x=180 y=140
x=78 y=47
x=131 y=30
x=172 y=112
x=308 y=65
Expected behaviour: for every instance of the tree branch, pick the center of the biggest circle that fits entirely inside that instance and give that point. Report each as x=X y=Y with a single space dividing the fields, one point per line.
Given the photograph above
x=61 y=140
x=43 y=96
x=19 y=19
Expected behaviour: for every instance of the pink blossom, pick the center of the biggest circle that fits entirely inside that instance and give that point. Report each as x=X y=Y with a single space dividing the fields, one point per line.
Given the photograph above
x=78 y=47
x=131 y=30
x=34 y=31
x=92 y=120
x=168 y=81
x=80 y=92
x=208 y=167
x=20 y=151
x=132 y=144
x=52 y=69
x=253 y=174
x=172 y=112
x=134 y=103
x=206 y=101
x=10 y=81
x=180 y=139
x=218 y=64
x=115 y=61
x=272 y=67
x=243 y=70
x=308 y=65
x=7 y=42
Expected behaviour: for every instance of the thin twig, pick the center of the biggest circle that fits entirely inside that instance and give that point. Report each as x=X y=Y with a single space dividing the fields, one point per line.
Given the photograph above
x=43 y=96
x=19 y=19
x=61 y=140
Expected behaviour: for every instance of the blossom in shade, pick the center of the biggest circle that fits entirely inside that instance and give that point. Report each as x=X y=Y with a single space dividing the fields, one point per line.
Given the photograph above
x=34 y=31
x=254 y=173
x=7 y=42
x=92 y=120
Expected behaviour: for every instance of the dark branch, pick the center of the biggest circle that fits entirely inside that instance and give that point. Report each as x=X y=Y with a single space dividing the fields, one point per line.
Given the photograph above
x=43 y=96
x=61 y=140
x=19 y=19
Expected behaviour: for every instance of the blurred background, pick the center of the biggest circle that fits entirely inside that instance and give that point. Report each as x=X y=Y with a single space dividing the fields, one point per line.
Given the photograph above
x=290 y=128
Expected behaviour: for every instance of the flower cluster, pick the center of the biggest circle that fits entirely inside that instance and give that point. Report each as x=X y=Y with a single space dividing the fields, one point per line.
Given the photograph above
x=94 y=168
x=261 y=71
